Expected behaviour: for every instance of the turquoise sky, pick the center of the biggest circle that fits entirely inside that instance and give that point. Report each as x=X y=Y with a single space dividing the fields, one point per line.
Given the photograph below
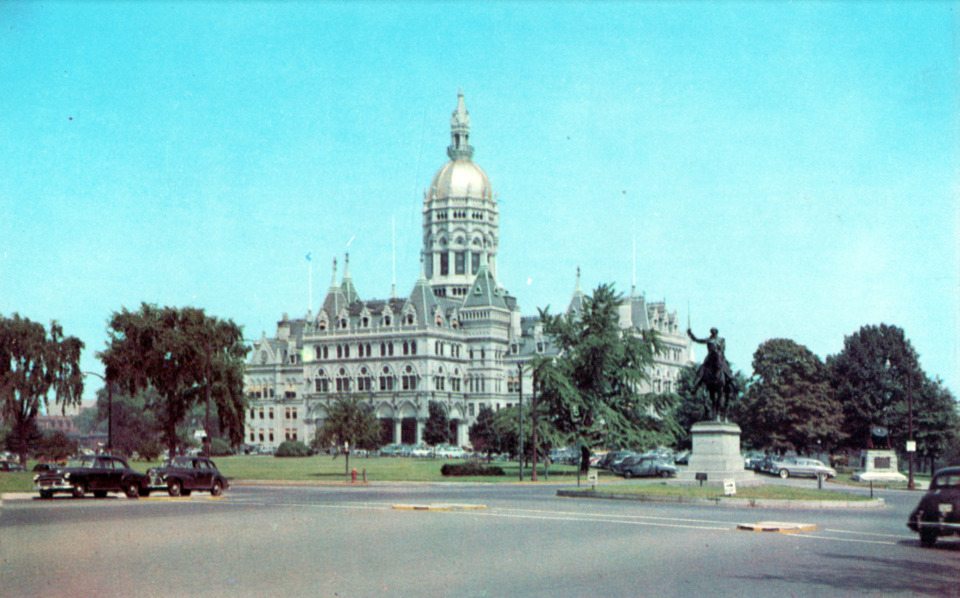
x=786 y=169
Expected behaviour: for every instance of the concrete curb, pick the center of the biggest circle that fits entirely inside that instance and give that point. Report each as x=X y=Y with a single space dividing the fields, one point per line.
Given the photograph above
x=761 y=503
x=778 y=527
x=439 y=507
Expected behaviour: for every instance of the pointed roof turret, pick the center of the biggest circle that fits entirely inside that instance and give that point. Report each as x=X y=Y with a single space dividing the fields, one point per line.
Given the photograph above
x=460 y=148
x=349 y=291
x=485 y=291
x=576 y=302
x=422 y=299
x=335 y=300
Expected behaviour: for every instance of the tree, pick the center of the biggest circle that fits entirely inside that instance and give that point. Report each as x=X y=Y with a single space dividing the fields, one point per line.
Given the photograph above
x=136 y=428
x=186 y=356
x=936 y=423
x=436 y=430
x=32 y=363
x=482 y=434
x=872 y=376
x=790 y=404
x=349 y=420
x=594 y=391
x=55 y=446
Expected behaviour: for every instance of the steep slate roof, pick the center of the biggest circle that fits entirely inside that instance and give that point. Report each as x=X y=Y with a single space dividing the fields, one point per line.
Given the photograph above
x=349 y=291
x=485 y=292
x=335 y=299
x=422 y=300
x=576 y=302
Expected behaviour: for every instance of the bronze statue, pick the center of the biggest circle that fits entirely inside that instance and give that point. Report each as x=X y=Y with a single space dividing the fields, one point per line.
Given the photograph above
x=715 y=374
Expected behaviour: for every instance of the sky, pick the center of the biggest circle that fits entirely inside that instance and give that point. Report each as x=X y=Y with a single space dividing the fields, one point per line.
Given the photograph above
x=772 y=169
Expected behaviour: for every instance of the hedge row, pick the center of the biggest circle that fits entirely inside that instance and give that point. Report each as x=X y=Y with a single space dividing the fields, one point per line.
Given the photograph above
x=471 y=468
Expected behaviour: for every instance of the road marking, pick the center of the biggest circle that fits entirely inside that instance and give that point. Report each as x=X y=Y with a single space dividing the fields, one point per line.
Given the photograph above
x=844 y=539
x=607 y=516
x=841 y=531
x=591 y=519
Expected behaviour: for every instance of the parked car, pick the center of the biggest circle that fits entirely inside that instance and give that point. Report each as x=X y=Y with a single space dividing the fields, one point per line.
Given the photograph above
x=682 y=458
x=391 y=450
x=647 y=466
x=612 y=456
x=615 y=465
x=11 y=466
x=183 y=475
x=938 y=513
x=99 y=474
x=804 y=468
x=421 y=450
x=445 y=451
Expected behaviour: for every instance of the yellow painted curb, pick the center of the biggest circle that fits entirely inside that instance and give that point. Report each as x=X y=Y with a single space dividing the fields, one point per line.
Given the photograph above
x=438 y=507
x=778 y=527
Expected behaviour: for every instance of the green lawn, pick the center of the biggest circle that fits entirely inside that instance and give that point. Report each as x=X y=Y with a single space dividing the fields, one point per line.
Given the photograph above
x=769 y=492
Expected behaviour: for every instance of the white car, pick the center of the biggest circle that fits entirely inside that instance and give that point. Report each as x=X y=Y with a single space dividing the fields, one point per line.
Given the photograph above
x=421 y=450
x=446 y=451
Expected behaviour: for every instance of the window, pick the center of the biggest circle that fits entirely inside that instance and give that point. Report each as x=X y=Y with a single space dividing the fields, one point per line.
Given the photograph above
x=444 y=263
x=383 y=349
x=271 y=413
x=261 y=435
x=386 y=383
x=406 y=348
x=261 y=413
x=390 y=349
x=474 y=262
x=470 y=409
x=339 y=352
x=459 y=262
x=319 y=352
x=271 y=435
x=290 y=394
x=386 y=320
x=413 y=347
x=322 y=385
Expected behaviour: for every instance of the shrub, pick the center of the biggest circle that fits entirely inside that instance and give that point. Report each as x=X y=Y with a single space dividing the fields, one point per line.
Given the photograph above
x=292 y=448
x=471 y=468
x=150 y=449
x=219 y=448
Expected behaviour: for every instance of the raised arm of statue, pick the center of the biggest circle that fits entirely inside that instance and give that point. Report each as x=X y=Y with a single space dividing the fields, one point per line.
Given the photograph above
x=694 y=338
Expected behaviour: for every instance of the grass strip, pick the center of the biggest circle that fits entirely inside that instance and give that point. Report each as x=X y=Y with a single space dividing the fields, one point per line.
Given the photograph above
x=768 y=492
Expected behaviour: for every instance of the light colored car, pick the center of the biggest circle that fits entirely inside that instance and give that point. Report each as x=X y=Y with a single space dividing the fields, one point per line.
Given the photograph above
x=801 y=467
x=445 y=451
x=421 y=450
x=647 y=466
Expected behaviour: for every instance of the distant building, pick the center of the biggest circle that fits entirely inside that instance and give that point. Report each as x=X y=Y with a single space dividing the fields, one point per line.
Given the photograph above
x=457 y=338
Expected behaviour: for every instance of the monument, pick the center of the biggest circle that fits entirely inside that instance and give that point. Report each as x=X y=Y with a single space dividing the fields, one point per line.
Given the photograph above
x=715 y=457
x=878 y=466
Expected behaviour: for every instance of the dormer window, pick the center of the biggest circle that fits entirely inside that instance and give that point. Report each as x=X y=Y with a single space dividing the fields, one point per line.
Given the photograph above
x=386 y=320
x=366 y=322
x=343 y=323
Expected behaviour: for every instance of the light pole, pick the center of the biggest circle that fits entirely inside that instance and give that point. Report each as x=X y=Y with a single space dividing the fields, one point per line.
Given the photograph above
x=911 y=446
x=109 y=408
x=520 y=391
x=533 y=408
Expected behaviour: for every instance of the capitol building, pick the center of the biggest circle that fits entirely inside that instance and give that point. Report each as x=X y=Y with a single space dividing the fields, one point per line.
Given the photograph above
x=458 y=338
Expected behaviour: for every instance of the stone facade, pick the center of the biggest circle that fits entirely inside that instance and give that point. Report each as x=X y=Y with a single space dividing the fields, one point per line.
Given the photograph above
x=457 y=338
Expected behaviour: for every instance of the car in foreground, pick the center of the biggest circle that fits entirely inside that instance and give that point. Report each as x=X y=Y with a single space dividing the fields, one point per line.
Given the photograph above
x=938 y=513
x=99 y=474
x=182 y=475
x=799 y=467
x=647 y=466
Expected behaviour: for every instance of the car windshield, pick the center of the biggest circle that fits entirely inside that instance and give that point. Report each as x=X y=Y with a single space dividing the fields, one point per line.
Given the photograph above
x=82 y=462
x=182 y=462
x=947 y=481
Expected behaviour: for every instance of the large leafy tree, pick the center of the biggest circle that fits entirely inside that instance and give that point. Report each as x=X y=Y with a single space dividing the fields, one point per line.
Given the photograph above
x=32 y=364
x=436 y=430
x=350 y=419
x=187 y=356
x=136 y=428
x=593 y=394
x=483 y=435
x=790 y=404
x=873 y=377
x=936 y=423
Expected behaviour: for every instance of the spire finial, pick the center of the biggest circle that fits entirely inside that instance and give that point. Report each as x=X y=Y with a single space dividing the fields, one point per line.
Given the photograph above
x=578 y=289
x=460 y=148
x=346 y=266
x=333 y=280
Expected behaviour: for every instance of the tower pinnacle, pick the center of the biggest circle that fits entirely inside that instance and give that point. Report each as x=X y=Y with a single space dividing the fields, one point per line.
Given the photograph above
x=460 y=148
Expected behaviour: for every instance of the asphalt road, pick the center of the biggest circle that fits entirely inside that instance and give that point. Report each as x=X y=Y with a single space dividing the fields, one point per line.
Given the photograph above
x=350 y=541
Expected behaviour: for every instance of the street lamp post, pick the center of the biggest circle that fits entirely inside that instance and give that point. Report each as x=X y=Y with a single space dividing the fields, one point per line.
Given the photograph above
x=520 y=391
x=911 y=447
x=533 y=408
x=109 y=408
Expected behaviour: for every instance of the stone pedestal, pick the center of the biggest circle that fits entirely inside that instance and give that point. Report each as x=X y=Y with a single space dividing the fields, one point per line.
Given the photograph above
x=879 y=466
x=716 y=453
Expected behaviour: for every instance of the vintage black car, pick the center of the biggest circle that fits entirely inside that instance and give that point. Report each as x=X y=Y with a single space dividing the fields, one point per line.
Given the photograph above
x=99 y=474
x=938 y=513
x=183 y=475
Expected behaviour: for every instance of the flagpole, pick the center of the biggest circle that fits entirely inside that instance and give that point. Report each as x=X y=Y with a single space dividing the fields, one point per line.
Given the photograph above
x=310 y=283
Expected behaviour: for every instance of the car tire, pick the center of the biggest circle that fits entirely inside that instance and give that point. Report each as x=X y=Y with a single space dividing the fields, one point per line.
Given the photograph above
x=174 y=488
x=928 y=537
x=132 y=490
x=627 y=474
x=79 y=490
x=784 y=474
x=186 y=492
x=664 y=474
x=99 y=493
x=46 y=494
x=217 y=488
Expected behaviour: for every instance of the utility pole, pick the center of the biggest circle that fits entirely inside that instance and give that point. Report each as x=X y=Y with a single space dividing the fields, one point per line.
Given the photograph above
x=520 y=391
x=533 y=476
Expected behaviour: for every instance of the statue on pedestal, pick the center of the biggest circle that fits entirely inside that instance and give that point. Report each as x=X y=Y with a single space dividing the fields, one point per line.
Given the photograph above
x=715 y=374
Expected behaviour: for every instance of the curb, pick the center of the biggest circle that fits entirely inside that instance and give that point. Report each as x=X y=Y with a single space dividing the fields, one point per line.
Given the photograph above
x=762 y=503
x=439 y=507
x=778 y=527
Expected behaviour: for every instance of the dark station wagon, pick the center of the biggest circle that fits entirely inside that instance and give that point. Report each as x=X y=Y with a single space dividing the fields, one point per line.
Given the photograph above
x=938 y=513
x=183 y=475
x=99 y=474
